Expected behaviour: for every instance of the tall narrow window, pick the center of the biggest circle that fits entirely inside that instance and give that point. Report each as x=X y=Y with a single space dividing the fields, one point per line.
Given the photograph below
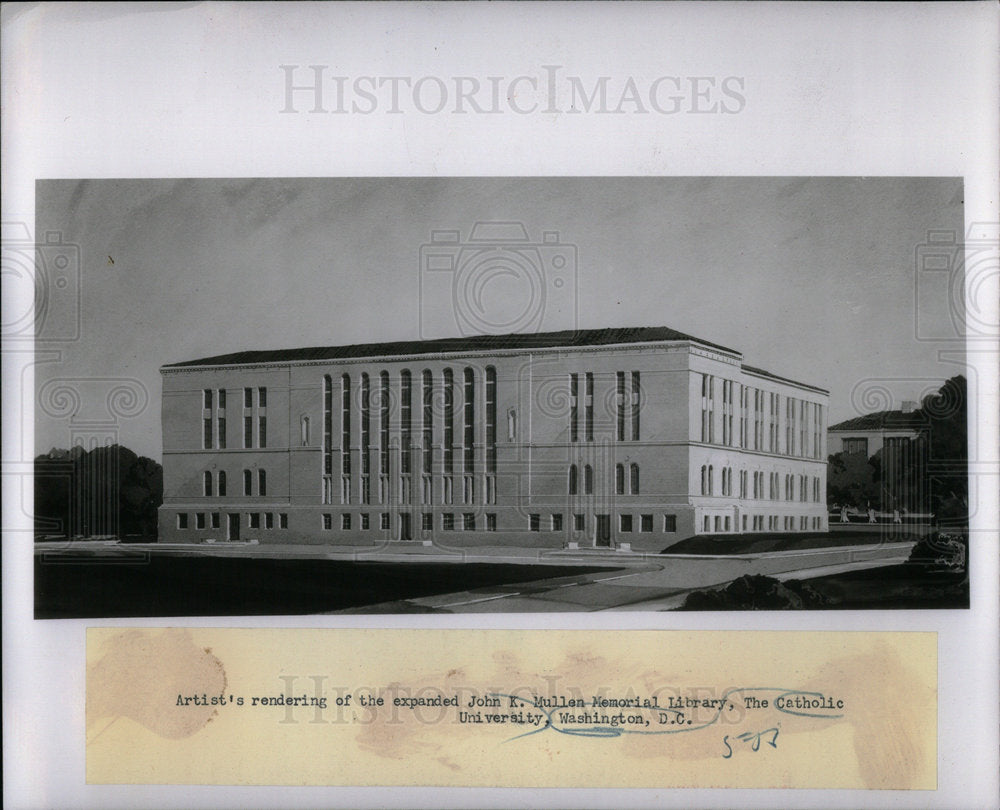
x=491 y=434
x=262 y=431
x=405 y=420
x=448 y=381
x=327 y=439
x=383 y=436
x=262 y=482
x=634 y=479
x=704 y=479
x=207 y=399
x=248 y=398
x=304 y=431
x=711 y=409
x=803 y=446
x=574 y=483
x=206 y=439
x=469 y=409
x=427 y=429
x=207 y=484
x=345 y=436
x=636 y=404
x=222 y=483
x=428 y=419
x=366 y=396
x=711 y=476
x=588 y=406
x=468 y=435
x=247 y=431
x=220 y=421
x=588 y=480
x=247 y=482
x=620 y=405
x=789 y=425
x=619 y=479
x=261 y=397
x=574 y=407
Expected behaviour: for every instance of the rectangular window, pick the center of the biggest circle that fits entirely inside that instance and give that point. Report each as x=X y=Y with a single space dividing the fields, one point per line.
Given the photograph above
x=636 y=397
x=365 y=521
x=620 y=405
x=247 y=397
x=247 y=432
x=216 y=520
x=207 y=484
x=222 y=483
x=491 y=421
x=247 y=482
x=199 y=520
x=670 y=523
x=283 y=520
x=491 y=522
x=625 y=523
x=222 y=431
x=327 y=521
x=448 y=521
x=491 y=489
x=207 y=399
x=579 y=522
x=427 y=521
x=588 y=406
x=468 y=434
x=206 y=439
x=269 y=520
x=262 y=431
x=574 y=408
x=261 y=482
x=385 y=522
x=645 y=523
x=253 y=520
x=222 y=399
x=468 y=522
x=345 y=521
x=469 y=489
x=557 y=523
x=262 y=397
x=852 y=446
x=534 y=523
x=405 y=421
x=718 y=523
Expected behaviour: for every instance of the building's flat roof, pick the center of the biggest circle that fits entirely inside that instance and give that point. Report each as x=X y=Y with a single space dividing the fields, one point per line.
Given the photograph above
x=566 y=339
x=883 y=420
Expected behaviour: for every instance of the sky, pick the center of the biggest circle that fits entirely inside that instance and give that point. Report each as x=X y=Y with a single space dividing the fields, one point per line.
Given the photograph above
x=816 y=279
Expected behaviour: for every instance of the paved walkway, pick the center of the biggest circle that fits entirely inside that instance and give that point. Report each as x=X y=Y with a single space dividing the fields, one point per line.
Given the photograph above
x=662 y=584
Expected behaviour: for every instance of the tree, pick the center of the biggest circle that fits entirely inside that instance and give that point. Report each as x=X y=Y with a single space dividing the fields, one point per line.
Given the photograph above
x=851 y=480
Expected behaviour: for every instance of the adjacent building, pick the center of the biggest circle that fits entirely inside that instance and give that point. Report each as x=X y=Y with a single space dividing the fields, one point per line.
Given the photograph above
x=623 y=438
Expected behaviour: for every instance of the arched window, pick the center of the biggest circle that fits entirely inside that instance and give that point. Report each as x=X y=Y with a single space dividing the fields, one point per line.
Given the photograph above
x=619 y=479
x=262 y=482
x=304 y=430
x=704 y=479
x=574 y=483
x=491 y=420
x=222 y=483
x=634 y=476
x=448 y=381
x=247 y=482
x=405 y=420
x=207 y=484
x=711 y=475
x=588 y=480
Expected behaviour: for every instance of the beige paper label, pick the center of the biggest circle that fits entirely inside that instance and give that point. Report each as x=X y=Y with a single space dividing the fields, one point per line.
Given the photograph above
x=639 y=708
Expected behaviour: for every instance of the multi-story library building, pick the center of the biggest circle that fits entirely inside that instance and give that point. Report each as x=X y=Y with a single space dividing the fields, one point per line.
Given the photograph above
x=623 y=438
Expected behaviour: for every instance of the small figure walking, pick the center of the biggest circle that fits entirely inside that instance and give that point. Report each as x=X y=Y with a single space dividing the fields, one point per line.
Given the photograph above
x=843 y=514
x=871 y=515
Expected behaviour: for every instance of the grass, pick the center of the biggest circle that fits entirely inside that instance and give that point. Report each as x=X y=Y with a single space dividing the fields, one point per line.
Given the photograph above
x=159 y=585
x=759 y=544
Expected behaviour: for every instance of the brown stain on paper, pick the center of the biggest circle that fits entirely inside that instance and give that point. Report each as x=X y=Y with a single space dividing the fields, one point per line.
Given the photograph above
x=892 y=716
x=140 y=676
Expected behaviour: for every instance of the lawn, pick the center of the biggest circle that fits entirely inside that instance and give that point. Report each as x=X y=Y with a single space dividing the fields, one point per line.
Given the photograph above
x=159 y=585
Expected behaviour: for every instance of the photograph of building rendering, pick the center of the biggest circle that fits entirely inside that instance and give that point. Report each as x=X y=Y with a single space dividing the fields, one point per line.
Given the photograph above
x=501 y=395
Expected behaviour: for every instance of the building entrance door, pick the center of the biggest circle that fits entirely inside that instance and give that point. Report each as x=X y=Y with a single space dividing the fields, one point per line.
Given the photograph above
x=233 y=535
x=603 y=530
x=405 y=529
